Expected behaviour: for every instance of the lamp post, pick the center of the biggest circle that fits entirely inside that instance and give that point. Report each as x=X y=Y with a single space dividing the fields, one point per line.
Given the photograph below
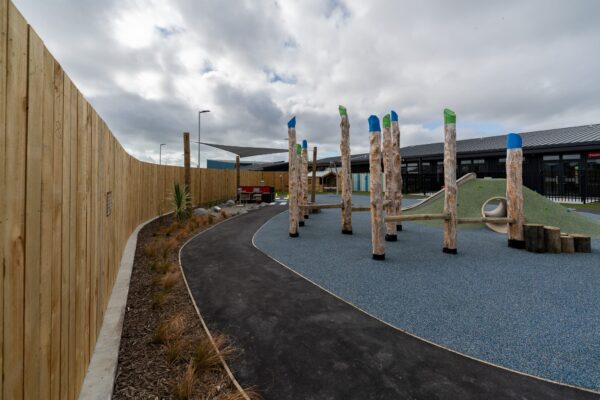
x=199 y=125
x=160 y=153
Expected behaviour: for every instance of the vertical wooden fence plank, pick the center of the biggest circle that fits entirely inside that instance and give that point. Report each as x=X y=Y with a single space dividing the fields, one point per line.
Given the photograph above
x=93 y=234
x=33 y=216
x=81 y=254
x=14 y=238
x=47 y=279
x=73 y=240
x=65 y=86
x=57 y=171
x=3 y=37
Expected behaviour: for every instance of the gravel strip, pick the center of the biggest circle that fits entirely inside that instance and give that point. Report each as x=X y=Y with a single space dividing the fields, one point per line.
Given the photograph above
x=535 y=313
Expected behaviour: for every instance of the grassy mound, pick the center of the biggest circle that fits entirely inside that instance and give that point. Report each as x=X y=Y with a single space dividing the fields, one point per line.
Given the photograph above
x=538 y=209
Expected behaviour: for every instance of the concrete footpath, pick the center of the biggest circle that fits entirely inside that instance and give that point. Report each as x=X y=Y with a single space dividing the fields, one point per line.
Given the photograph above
x=299 y=342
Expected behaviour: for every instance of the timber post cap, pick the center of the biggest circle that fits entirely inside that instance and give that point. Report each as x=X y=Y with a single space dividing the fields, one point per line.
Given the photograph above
x=394 y=116
x=305 y=144
x=343 y=111
x=298 y=149
x=449 y=116
x=514 y=141
x=374 y=124
x=292 y=123
x=386 y=121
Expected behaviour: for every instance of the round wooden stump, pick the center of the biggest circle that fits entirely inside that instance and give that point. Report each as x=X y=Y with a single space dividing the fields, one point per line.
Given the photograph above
x=567 y=244
x=582 y=243
x=534 y=237
x=552 y=239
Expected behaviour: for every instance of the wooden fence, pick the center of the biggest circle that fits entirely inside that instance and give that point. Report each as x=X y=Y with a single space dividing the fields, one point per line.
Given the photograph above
x=69 y=198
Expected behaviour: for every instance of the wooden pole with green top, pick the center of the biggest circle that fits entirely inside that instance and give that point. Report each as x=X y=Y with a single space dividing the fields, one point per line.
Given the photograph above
x=305 y=177
x=390 y=227
x=299 y=186
x=346 y=175
x=451 y=189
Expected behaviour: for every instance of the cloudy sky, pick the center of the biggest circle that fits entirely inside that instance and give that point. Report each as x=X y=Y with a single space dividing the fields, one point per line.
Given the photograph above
x=148 y=66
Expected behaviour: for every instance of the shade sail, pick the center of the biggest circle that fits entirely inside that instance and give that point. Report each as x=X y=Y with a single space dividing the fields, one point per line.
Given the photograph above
x=246 y=151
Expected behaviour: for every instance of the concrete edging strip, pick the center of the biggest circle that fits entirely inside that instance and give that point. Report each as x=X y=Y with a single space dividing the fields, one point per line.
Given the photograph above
x=99 y=380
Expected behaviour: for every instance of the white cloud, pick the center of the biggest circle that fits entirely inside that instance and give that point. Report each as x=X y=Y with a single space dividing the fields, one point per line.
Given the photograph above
x=148 y=66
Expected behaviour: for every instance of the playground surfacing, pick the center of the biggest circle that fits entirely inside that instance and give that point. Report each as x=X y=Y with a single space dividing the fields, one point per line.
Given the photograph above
x=534 y=313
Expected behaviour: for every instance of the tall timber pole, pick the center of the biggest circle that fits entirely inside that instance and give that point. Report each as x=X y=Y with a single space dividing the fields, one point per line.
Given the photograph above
x=346 y=175
x=396 y=167
x=451 y=190
x=390 y=227
x=305 y=177
x=377 y=224
x=514 y=190
x=300 y=186
x=293 y=178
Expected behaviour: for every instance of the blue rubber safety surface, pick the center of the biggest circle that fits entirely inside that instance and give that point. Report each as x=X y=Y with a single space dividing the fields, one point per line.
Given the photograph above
x=534 y=313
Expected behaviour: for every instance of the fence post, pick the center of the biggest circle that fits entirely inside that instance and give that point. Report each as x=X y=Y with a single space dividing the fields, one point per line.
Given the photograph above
x=314 y=176
x=377 y=224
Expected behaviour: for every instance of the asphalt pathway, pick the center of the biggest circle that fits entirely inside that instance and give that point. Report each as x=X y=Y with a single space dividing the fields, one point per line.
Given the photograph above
x=299 y=342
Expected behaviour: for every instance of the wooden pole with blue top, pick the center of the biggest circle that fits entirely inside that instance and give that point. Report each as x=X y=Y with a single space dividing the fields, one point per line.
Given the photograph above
x=377 y=224
x=293 y=180
x=396 y=167
x=514 y=190
x=451 y=189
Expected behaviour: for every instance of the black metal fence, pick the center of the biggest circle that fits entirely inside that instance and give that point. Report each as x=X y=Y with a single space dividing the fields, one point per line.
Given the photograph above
x=580 y=186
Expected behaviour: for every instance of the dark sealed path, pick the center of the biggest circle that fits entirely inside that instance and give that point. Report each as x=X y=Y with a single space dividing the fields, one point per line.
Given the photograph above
x=299 y=342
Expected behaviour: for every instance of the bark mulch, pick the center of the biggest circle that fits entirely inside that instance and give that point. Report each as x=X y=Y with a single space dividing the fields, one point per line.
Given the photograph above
x=164 y=352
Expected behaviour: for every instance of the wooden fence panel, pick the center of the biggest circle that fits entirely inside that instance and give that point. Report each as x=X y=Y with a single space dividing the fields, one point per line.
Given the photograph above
x=71 y=198
x=3 y=43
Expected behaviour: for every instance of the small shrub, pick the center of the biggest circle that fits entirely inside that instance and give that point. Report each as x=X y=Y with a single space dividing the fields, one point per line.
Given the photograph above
x=181 y=202
x=169 y=280
x=160 y=266
x=169 y=330
x=174 y=350
x=206 y=358
x=210 y=219
x=184 y=389
x=158 y=299
x=150 y=249
x=223 y=214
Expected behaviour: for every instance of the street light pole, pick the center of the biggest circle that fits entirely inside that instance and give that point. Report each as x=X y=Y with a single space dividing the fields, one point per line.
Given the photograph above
x=160 y=153
x=199 y=125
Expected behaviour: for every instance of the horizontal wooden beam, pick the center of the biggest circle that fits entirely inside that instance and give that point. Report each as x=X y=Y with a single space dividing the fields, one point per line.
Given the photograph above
x=322 y=206
x=485 y=220
x=416 y=217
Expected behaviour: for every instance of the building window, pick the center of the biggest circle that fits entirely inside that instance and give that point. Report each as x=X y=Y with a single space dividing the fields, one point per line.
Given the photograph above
x=479 y=161
x=571 y=156
x=551 y=158
x=465 y=162
x=502 y=160
x=412 y=168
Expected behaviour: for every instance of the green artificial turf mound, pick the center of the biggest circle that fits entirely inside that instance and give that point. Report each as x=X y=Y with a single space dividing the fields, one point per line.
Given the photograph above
x=538 y=209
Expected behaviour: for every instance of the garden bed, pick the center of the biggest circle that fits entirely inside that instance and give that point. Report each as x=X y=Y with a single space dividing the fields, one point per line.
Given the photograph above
x=164 y=351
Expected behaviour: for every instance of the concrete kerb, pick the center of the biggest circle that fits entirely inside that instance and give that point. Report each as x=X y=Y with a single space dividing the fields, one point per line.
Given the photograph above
x=99 y=380
x=405 y=332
